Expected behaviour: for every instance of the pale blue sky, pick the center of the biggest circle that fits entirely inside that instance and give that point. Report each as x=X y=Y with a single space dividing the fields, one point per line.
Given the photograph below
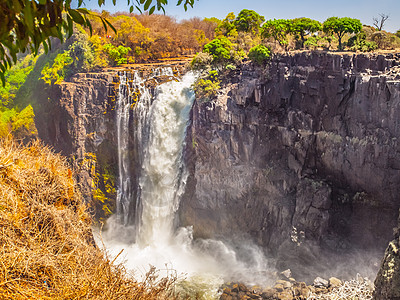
x=319 y=10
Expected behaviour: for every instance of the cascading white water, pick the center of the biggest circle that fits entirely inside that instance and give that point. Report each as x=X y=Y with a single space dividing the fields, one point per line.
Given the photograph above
x=162 y=174
x=160 y=133
x=124 y=184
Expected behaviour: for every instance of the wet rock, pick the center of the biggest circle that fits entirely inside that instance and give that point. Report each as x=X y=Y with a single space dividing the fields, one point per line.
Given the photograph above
x=286 y=274
x=334 y=282
x=321 y=283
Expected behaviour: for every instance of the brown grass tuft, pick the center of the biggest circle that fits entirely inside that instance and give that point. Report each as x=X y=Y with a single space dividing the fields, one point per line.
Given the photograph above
x=47 y=249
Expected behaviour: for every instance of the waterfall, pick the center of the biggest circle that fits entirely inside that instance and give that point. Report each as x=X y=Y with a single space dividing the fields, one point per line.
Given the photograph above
x=131 y=90
x=158 y=126
x=162 y=176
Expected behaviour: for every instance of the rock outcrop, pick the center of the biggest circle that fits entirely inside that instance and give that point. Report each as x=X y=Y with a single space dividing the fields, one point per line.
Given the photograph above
x=387 y=282
x=303 y=157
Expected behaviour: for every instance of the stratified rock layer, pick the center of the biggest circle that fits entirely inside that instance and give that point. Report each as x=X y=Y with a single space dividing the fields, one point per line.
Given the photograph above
x=303 y=157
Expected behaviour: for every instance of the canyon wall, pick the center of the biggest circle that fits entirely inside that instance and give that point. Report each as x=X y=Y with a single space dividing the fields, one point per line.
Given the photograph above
x=303 y=158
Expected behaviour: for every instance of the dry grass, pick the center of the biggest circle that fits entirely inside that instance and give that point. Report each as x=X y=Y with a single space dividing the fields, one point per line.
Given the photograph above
x=47 y=249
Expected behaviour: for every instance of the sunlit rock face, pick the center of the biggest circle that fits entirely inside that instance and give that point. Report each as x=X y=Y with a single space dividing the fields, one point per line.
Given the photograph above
x=303 y=157
x=387 y=282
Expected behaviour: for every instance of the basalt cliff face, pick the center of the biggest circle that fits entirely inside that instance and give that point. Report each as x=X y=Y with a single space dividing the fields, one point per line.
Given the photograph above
x=303 y=157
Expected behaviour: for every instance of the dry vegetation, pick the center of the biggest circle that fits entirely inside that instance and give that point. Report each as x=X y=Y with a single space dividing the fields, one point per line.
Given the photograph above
x=46 y=244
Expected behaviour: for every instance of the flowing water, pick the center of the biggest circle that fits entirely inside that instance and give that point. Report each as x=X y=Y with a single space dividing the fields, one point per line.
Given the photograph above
x=152 y=238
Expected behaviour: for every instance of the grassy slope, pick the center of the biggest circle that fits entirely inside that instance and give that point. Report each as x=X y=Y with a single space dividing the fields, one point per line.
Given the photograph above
x=46 y=244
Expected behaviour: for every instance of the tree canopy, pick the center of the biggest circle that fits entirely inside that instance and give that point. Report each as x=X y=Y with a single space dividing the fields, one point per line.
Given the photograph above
x=248 y=21
x=304 y=26
x=28 y=24
x=340 y=26
x=278 y=29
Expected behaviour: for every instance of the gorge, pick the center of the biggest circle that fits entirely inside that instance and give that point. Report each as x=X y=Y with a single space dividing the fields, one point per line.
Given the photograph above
x=300 y=158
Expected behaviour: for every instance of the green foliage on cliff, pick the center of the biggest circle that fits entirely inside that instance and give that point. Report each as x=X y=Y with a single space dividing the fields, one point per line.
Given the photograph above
x=19 y=124
x=15 y=77
x=277 y=29
x=359 y=42
x=116 y=55
x=219 y=49
x=341 y=26
x=259 y=54
x=207 y=87
x=248 y=21
x=55 y=74
x=301 y=27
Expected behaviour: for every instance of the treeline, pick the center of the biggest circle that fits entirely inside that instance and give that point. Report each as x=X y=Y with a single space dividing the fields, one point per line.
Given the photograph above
x=249 y=35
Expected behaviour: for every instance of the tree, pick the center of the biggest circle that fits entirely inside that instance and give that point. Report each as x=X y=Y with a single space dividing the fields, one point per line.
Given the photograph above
x=220 y=49
x=226 y=25
x=248 y=21
x=28 y=24
x=379 y=23
x=278 y=29
x=304 y=26
x=340 y=26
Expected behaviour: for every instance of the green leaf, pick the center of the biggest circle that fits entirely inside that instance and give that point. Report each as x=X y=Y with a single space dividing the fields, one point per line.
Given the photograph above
x=70 y=26
x=147 y=4
x=83 y=11
x=131 y=9
x=111 y=26
x=104 y=24
x=151 y=11
x=138 y=8
x=76 y=16
x=28 y=16
x=89 y=25
x=3 y=79
x=46 y=48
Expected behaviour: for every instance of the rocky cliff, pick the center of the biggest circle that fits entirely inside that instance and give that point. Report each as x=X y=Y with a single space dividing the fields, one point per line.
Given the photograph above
x=78 y=119
x=303 y=157
x=387 y=282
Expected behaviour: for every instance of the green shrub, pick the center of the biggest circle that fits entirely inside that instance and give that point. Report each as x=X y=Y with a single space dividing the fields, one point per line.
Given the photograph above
x=19 y=124
x=207 y=87
x=360 y=43
x=259 y=54
x=220 y=49
x=116 y=54
x=15 y=78
x=56 y=73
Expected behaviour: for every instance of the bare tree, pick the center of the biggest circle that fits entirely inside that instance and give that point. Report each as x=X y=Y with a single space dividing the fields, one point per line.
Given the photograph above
x=380 y=22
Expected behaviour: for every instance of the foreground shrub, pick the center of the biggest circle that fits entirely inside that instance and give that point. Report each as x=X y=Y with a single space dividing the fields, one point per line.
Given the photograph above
x=48 y=251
